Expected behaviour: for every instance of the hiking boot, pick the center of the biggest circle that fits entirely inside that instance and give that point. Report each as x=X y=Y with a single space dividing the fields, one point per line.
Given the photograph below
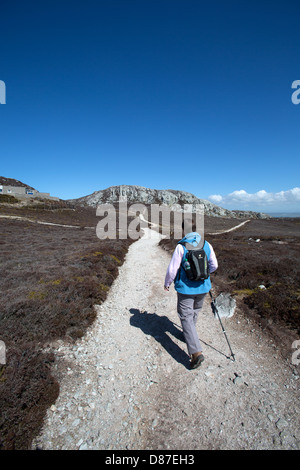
x=196 y=362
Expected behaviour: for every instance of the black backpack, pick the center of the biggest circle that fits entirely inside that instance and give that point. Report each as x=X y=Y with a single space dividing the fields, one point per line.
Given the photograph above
x=195 y=264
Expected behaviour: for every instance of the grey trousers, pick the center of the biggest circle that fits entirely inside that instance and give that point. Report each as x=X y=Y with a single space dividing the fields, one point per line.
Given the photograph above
x=188 y=308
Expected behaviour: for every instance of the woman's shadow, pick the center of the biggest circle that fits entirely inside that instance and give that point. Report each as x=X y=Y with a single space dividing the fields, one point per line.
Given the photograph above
x=156 y=326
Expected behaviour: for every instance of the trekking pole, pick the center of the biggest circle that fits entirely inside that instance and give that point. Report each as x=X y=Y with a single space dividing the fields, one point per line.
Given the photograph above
x=215 y=310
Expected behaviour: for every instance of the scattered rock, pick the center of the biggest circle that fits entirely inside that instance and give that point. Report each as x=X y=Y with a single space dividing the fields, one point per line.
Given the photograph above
x=155 y=423
x=226 y=305
x=238 y=380
x=281 y=424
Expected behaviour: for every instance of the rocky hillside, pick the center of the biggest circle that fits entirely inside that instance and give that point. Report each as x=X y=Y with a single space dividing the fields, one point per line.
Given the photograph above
x=12 y=182
x=172 y=198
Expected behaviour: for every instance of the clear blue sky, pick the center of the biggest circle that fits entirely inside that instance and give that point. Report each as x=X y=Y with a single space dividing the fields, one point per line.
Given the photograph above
x=190 y=95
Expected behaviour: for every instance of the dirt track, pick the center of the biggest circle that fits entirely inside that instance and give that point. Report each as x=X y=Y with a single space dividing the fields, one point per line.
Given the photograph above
x=127 y=384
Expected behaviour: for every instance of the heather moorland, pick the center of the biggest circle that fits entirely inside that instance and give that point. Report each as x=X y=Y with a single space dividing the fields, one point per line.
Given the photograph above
x=52 y=276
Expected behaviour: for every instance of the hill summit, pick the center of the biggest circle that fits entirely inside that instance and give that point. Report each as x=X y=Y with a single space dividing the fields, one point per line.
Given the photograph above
x=169 y=197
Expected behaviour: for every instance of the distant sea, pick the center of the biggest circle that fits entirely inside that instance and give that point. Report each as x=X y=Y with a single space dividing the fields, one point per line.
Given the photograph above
x=284 y=214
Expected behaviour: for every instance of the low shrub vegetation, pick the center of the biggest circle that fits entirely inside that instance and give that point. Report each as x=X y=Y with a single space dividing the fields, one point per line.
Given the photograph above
x=51 y=278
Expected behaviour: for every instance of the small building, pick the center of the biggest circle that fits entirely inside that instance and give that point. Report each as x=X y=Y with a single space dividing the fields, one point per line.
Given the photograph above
x=24 y=192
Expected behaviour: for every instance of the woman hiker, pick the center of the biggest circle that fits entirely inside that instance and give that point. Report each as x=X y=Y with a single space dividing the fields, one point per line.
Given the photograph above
x=190 y=294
